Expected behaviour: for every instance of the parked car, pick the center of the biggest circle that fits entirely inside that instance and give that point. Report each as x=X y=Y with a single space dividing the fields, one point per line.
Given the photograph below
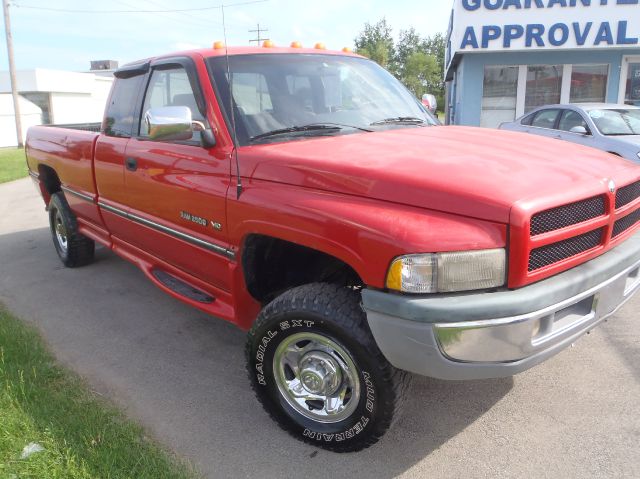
x=430 y=102
x=306 y=197
x=608 y=127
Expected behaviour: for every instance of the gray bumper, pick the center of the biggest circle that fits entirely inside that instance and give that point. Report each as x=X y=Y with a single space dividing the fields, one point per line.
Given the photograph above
x=485 y=335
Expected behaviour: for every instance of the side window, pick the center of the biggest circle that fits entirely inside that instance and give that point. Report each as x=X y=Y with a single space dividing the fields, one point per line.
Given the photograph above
x=571 y=119
x=118 y=118
x=170 y=88
x=545 y=119
x=527 y=120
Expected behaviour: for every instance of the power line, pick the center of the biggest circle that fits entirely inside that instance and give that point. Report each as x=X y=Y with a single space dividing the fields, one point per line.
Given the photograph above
x=258 y=30
x=68 y=10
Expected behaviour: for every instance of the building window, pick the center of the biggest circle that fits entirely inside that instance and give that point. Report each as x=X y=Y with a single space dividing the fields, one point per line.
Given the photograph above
x=589 y=83
x=544 y=84
x=632 y=92
x=499 y=94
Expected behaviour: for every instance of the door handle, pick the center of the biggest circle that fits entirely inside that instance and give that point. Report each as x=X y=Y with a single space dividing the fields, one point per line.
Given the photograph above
x=131 y=164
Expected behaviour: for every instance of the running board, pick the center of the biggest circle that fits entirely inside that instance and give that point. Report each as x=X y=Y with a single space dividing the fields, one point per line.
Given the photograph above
x=181 y=288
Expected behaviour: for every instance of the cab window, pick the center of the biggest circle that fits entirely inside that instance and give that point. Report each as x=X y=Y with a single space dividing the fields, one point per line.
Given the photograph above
x=118 y=119
x=570 y=119
x=545 y=119
x=170 y=87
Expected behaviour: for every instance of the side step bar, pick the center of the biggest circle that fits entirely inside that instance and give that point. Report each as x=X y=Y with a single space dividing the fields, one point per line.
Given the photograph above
x=182 y=288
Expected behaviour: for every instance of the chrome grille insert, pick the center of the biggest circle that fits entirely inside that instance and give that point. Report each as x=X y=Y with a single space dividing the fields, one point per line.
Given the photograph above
x=567 y=215
x=554 y=252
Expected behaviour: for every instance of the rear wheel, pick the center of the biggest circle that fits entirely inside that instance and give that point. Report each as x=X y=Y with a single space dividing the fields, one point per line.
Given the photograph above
x=318 y=372
x=73 y=248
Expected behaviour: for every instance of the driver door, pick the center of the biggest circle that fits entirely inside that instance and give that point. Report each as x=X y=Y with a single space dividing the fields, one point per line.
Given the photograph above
x=177 y=189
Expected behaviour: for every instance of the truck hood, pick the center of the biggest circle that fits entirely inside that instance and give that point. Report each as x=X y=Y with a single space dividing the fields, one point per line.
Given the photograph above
x=473 y=172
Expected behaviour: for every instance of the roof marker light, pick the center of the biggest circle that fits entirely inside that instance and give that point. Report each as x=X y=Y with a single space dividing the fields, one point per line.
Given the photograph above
x=218 y=45
x=296 y=45
x=268 y=44
x=347 y=50
x=320 y=46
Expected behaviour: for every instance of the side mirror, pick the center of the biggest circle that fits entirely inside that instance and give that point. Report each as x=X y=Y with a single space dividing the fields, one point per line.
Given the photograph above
x=580 y=130
x=172 y=123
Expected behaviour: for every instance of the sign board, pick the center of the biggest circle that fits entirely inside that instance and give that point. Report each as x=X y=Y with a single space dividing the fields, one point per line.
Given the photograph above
x=517 y=25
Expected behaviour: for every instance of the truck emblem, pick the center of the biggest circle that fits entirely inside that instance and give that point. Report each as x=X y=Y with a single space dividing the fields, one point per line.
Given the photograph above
x=612 y=186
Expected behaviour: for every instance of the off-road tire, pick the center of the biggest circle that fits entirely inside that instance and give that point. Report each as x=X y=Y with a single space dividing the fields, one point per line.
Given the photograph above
x=336 y=313
x=79 y=249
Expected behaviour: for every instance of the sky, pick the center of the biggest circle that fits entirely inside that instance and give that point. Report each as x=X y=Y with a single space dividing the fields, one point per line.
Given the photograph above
x=69 y=41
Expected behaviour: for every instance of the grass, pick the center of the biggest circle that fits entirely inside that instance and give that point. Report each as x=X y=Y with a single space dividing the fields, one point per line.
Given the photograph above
x=13 y=164
x=83 y=437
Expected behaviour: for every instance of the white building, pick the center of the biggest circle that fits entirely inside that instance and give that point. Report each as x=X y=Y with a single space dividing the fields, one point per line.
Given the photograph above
x=30 y=113
x=63 y=97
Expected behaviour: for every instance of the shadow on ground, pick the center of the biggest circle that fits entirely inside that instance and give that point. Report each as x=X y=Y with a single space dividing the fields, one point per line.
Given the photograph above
x=181 y=373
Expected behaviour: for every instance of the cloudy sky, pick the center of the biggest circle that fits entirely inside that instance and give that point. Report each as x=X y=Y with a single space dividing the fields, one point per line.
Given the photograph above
x=70 y=39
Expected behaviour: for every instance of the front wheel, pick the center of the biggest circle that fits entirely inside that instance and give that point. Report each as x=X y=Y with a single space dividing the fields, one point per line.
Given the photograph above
x=318 y=372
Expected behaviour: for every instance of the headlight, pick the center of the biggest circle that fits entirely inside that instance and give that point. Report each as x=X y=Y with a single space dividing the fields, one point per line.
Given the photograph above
x=448 y=272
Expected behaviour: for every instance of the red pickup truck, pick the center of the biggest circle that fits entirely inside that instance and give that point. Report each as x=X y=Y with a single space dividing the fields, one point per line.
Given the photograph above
x=307 y=197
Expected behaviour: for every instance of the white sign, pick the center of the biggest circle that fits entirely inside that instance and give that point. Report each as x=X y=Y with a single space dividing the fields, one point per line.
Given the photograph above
x=508 y=25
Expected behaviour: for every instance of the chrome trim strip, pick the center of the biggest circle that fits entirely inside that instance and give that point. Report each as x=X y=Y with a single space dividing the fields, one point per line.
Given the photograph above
x=34 y=175
x=170 y=231
x=78 y=194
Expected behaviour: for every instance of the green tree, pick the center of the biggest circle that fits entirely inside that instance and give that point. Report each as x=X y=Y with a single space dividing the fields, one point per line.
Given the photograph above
x=420 y=73
x=416 y=61
x=376 y=42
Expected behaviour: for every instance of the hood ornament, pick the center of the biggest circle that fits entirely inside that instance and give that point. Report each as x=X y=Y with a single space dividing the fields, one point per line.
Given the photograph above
x=612 y=186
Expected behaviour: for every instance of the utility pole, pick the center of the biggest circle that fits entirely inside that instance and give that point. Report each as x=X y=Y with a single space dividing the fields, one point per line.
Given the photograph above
x=12 y=72
x=259 y=30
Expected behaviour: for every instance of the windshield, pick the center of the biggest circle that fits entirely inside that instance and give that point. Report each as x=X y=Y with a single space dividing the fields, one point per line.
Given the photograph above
x=617 y=122
x=280 y=97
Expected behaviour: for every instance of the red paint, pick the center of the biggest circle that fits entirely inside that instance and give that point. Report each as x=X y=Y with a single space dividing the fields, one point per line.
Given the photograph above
x=364 y=198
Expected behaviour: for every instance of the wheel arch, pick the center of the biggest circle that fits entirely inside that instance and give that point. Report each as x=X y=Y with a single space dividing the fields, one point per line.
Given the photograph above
x=272 y=265
x=49 y=182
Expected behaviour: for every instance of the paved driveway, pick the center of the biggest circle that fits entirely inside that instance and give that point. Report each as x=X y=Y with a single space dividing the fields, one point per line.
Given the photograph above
x=181 y=374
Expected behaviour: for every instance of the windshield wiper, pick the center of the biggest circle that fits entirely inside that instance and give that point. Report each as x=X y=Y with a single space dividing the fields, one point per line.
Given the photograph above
x=306 y=128
x=399 y=120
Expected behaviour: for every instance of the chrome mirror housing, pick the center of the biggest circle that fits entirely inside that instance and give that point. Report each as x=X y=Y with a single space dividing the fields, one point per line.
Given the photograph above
x=171 y=123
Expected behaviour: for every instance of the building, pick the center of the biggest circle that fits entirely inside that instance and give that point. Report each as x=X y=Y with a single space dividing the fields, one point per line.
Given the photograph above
x=30 y=114
x=507 y=57
x=62 y=97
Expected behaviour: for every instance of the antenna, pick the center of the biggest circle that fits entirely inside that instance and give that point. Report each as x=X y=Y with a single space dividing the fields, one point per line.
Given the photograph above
x=233 y=116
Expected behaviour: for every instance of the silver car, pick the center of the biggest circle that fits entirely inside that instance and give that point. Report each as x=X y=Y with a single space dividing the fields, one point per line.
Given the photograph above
x=609 y=127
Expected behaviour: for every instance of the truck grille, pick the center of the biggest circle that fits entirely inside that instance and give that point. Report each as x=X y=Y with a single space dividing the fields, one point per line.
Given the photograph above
x=554 y=252
x=567 y=215
x=627 y=194
x=623 y=224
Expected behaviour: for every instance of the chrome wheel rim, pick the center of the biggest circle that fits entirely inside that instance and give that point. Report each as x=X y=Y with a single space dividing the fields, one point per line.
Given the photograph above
x=317 y=377
x=61 y=232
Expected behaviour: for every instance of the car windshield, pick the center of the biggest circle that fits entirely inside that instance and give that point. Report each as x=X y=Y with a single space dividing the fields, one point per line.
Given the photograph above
x=278 y=97
x=617 y=122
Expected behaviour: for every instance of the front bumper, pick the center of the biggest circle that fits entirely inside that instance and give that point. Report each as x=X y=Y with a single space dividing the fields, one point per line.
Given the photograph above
x=485 y=335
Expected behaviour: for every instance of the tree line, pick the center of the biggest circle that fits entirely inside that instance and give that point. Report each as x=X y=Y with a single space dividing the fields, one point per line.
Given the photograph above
x=416 y=61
